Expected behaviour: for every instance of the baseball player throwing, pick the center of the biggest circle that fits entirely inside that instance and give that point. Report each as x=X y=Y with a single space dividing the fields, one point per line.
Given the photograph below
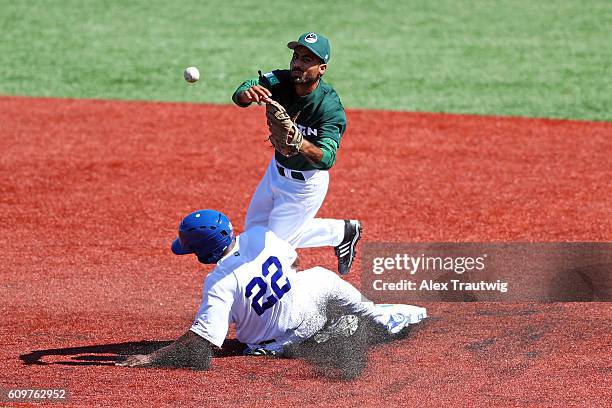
x=255 y=286
x=306 y=121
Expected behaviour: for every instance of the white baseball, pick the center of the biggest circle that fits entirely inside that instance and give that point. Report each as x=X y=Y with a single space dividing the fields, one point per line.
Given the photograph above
x=191 y=74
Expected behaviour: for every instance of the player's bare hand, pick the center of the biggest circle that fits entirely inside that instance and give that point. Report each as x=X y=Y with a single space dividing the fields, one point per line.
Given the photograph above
x=137 y=360
x=256 y=93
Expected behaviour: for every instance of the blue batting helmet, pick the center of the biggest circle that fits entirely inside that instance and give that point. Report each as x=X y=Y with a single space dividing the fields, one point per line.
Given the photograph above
x=206 y=233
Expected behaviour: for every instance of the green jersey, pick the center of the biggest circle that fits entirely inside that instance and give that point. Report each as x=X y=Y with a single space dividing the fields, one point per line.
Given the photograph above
x=321 y=118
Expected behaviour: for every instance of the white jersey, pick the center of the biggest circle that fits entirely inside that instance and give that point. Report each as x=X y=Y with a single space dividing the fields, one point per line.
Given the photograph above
x=252 y=287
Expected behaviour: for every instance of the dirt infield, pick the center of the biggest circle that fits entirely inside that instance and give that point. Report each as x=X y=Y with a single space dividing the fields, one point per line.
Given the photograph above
x=91 y=193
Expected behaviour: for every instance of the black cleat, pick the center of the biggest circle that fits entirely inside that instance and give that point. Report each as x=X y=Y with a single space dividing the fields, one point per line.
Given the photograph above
x=347 y=249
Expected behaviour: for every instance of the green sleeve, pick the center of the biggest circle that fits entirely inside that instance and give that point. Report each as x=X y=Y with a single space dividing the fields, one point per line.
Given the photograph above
x=329 y=147
x=245 y=85
x=329 y=139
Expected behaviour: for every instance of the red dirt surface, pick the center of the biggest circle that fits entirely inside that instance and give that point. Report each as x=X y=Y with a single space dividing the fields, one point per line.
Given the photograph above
x=91 y=193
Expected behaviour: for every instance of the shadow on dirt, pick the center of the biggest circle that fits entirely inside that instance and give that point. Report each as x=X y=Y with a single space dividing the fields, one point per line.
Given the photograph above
x=109 y=354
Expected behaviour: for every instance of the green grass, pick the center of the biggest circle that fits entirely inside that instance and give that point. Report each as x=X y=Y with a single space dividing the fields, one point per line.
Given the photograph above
x=544 y=59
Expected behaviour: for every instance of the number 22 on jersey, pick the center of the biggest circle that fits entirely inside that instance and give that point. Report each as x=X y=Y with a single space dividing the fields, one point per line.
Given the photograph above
x=262 y=286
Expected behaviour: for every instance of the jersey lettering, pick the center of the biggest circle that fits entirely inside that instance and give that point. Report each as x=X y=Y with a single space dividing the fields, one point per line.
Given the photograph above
x=262 y=286
x=307 y=131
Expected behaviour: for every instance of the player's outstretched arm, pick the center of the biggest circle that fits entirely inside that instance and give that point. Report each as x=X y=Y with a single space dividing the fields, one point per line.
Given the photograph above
x=189 y=350
x=256 y=93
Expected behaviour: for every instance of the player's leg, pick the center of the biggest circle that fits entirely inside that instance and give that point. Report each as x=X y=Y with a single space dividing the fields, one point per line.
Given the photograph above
x=345 y=234
x=262 y=201
x=293 y=217
x=296 y=203
x=324 y=293
x=338 y=324
x=320 y=232
x=393 y=318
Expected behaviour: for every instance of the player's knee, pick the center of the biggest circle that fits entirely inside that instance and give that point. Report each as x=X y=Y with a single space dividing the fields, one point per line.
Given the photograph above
x=292 y=237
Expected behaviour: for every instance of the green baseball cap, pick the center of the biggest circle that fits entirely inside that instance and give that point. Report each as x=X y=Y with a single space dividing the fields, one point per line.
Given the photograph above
x=318 y=44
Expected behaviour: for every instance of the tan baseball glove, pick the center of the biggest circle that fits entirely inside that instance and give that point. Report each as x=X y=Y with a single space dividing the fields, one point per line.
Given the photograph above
x=284 y=134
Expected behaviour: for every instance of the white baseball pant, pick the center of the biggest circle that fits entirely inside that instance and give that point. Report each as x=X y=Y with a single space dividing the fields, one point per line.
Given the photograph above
x=288 y=206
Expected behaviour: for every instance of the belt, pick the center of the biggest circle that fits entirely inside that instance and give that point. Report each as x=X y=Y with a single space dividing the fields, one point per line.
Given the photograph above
x=296 y=175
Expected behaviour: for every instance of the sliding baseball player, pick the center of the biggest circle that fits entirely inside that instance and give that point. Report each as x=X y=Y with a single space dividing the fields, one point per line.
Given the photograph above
x=255 y=285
